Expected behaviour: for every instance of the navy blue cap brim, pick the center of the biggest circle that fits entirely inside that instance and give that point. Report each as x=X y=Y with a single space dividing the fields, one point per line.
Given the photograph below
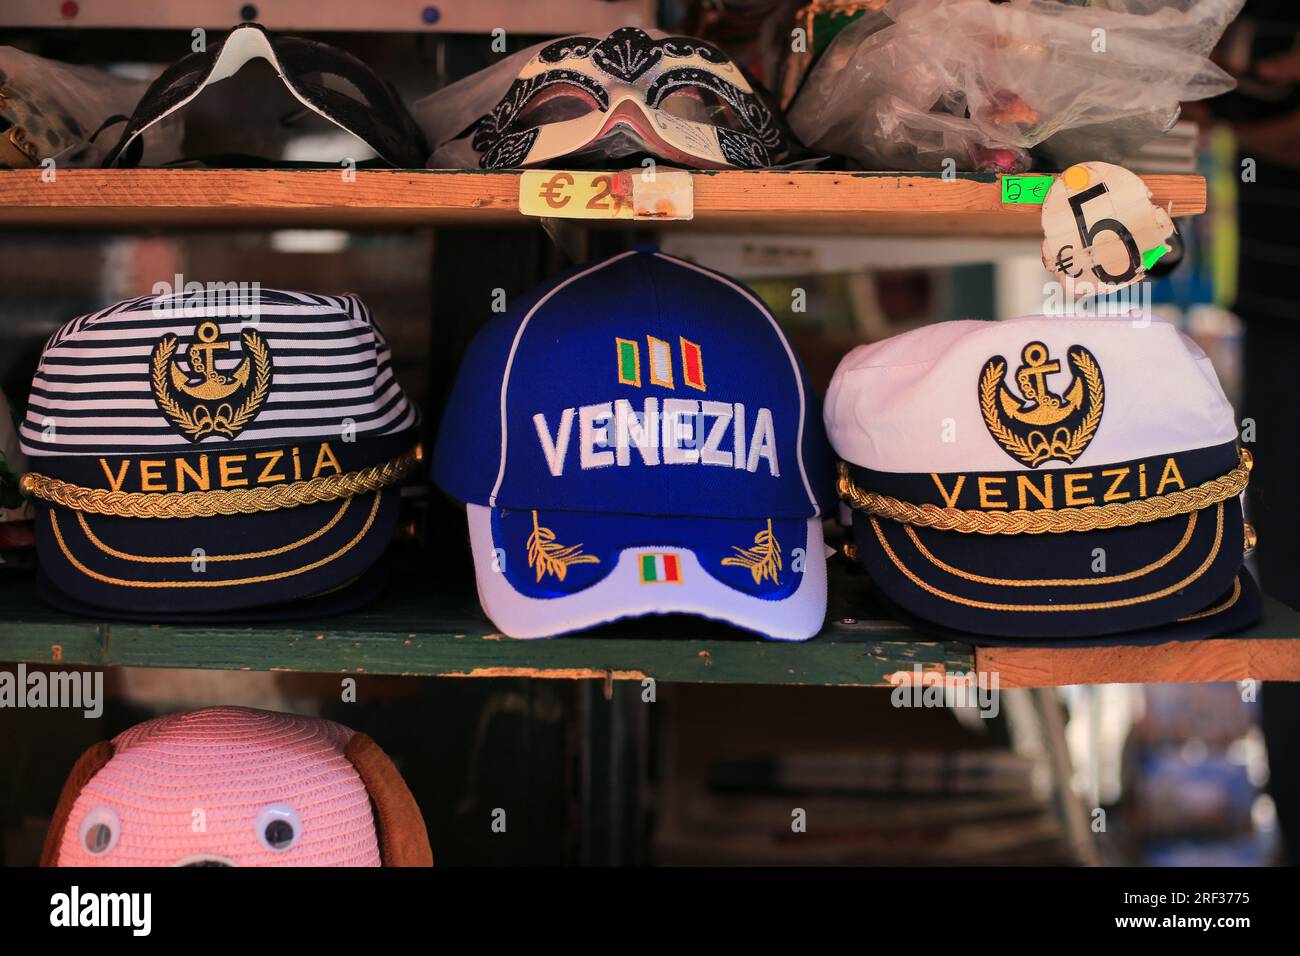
x=183 y=569
x=542 y=573
x=348 y=597
x=1055 y=586
x=1231 y=612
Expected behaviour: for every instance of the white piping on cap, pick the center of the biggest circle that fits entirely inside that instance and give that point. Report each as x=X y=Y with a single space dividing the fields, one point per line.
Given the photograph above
x=794 y=364
x=510 y=360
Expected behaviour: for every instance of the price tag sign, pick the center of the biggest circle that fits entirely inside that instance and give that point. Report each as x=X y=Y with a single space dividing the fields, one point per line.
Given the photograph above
x=1025 y=190
x=1101 y=232
x=629 y=194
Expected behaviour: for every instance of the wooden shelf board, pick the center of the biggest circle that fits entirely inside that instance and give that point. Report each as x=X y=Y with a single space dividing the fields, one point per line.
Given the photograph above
x=589 y=17
x=790 y=202
x=1228 y=659
x=412 y=630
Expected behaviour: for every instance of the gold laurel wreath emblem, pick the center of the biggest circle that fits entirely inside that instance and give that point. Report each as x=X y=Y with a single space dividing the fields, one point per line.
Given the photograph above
x=202 y=421
x=763 y=560
x=1033 y=456
x=548 y=556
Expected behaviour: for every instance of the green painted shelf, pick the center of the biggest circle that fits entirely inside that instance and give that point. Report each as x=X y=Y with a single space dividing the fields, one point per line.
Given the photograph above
x=414 y=629
x=417 y=631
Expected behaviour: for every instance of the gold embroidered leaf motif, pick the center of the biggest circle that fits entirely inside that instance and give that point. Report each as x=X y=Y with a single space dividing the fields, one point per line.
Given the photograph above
x=763 y=559
x=547 y=556
x=248 y=409
x=988 y=396
x=1082 y=435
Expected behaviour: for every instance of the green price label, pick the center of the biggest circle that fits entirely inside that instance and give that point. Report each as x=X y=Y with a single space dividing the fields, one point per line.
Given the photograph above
x=1032 y=190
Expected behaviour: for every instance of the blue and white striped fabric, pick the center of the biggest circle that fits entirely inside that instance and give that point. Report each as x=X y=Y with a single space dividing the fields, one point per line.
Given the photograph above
x=93 y=395
x=223 y=390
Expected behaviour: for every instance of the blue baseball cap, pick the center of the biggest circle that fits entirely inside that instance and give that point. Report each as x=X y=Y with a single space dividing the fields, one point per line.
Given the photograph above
x=638 y=437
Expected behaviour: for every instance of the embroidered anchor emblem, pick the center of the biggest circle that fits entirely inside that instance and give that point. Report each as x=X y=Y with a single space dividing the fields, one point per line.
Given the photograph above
x=1041 y=425
x=207 y=384
x=213 y=384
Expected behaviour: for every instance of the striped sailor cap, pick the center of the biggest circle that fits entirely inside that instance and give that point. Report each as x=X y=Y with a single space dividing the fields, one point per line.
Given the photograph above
x=229 y=452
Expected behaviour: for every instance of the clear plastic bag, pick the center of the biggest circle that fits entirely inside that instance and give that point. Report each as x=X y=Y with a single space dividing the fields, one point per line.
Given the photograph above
x=446 y=114
x=982 y=84
x=51 y=110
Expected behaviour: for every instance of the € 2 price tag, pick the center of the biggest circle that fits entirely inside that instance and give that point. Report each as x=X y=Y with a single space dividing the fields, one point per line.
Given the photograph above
x=1101 y=232
x=629 y=194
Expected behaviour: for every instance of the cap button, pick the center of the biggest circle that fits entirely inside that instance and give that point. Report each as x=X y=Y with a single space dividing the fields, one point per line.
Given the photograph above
x=1250 y=538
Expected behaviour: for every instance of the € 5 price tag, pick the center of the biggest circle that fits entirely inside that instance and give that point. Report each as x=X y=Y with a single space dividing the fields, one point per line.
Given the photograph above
x=1025 y=190
x=1101 y=232
x=629 y=194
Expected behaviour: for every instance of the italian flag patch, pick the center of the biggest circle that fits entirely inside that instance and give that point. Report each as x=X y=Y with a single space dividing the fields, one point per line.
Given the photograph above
x=660 y=569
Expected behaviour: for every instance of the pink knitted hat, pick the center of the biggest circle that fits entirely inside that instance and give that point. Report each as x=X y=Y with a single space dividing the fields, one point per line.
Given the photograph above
x=232 y=786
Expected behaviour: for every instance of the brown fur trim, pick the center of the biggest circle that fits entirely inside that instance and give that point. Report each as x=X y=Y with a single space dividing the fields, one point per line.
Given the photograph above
x=403 y=839
x=87 y=765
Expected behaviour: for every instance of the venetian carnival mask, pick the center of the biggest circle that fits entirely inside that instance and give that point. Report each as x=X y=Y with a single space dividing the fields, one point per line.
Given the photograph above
x=675 y=98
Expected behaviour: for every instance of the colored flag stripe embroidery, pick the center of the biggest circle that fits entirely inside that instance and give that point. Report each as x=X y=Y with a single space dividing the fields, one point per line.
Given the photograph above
x=692 y=365
x=661 y=362
x=660 y=569
x=629 y=362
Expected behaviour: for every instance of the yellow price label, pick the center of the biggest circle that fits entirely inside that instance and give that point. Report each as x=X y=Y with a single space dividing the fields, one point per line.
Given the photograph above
x=629 y=194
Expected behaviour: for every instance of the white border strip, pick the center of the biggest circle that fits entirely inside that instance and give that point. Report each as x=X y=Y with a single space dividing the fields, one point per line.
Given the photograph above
x=780 y=334
x=514 y=346
x=620 y=593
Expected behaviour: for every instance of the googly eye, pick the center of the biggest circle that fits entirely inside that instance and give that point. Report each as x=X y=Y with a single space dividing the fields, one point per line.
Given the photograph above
x=99 y=830
x=278 y=827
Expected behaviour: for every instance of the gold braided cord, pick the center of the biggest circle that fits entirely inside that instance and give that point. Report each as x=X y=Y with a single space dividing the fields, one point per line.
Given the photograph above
x=224 y=501
x=1118 y=514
